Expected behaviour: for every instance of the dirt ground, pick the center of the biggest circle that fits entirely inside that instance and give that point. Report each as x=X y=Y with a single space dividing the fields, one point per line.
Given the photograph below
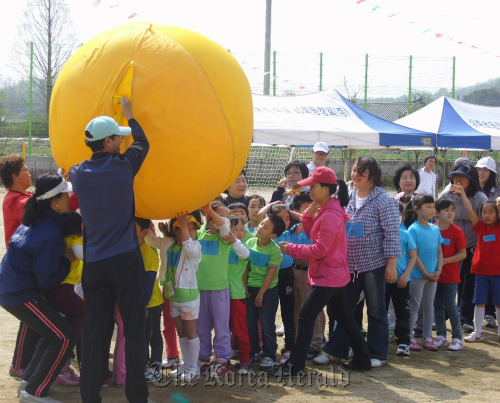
x=469 y=375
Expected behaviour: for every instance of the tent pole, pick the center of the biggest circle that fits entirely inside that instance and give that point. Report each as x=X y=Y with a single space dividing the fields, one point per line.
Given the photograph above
x=366 y=81
x=267 y=47
x=274 y=73
x=453 y=81
x=444 y=168
x=321 y=71
x=30 y=121
x=345 y=164
x=409 y=84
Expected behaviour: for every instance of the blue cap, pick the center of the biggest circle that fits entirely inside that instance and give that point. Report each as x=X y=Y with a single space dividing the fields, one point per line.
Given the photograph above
x=104 y=126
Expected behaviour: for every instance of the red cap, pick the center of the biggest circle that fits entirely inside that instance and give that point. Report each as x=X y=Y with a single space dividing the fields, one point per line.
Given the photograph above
x=320 y=175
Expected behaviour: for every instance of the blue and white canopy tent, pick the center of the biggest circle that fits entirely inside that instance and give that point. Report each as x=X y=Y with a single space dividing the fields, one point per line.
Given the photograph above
x=458 y=124
x=329 y=117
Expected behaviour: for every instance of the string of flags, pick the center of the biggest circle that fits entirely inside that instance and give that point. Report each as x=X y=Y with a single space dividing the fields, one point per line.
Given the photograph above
x=370 y=4
x=112 y=4
x=425 y=30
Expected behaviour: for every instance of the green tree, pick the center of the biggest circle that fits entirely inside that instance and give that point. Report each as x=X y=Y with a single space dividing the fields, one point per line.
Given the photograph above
x=486 y=97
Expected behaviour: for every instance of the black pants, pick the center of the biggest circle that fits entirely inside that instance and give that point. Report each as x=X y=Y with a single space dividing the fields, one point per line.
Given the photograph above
x=335 y=299
x=286 y=283
x=466 y=289
x=26 y=342
x=116 y=279
x=57 y=339
x=400 y=298
x=153 y=335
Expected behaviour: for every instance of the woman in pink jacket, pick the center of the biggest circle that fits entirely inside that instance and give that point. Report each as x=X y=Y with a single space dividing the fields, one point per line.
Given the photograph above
x=324 y=222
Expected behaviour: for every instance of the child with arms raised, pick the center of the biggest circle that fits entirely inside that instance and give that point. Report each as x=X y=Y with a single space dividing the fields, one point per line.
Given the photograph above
x=213 y=282
x=238 y=316
x=180 y=255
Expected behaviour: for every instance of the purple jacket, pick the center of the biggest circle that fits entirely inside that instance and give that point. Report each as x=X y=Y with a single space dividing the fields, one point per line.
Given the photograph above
x=328 y=254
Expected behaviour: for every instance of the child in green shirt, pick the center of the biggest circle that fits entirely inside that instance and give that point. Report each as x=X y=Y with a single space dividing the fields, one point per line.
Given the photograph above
x=262 y=296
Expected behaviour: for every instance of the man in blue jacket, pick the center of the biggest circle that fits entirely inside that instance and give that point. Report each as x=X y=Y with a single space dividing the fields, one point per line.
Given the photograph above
x=113 y=267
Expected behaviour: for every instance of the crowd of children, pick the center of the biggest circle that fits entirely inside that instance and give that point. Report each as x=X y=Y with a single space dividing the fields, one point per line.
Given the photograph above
x=224 y=275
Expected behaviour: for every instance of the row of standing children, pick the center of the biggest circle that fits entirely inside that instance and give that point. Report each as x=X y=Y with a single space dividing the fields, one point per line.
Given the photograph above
x=428 y=271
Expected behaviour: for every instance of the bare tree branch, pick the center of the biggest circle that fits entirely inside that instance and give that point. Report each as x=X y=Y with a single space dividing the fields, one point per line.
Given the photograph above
x=47 y=23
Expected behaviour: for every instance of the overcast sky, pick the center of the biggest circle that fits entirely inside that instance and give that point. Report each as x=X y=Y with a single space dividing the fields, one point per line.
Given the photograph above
x=390 y=29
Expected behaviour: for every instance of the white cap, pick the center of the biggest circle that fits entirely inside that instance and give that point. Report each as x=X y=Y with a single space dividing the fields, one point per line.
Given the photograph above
x=487 y=162
x=320 y=146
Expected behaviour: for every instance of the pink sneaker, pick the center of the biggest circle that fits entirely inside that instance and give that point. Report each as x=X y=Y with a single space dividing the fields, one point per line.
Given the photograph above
x=440 y=341
x=16 y=372
x=428 y=344
x=414 y=346
x=219 y=368
x=74 y=375
x=66 y=378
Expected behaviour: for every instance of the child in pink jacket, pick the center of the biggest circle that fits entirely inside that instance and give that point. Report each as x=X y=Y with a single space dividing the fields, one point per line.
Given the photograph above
x=324 y=222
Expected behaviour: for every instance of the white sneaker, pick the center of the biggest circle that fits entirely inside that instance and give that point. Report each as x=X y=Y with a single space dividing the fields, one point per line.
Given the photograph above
x=376 y=363
x=325 y=358
x=190 y=375
x=152 y=374
x=25 y=397
x=440 y=341
x=456 y=345
x=280 y=331
x=170 y=362
x=285 y=357
x=489 y=321
x=266 y=364
x=474 y=336
x=21 y=387
x=177 y=372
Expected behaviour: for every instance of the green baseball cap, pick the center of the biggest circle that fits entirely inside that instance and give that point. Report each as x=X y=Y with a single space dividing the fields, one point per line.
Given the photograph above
x=103 y=126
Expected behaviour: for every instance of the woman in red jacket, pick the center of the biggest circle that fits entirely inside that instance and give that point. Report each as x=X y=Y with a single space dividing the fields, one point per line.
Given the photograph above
x=16 y=178
x=324 y=222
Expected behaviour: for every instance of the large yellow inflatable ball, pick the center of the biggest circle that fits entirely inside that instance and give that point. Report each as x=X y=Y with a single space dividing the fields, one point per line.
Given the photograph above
x=189 y=94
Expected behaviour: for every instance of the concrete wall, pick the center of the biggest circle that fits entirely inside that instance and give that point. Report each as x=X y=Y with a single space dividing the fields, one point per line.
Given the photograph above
x=41 y=165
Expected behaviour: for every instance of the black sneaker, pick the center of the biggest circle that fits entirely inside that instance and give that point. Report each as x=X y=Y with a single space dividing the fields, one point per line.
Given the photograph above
x=311 y=353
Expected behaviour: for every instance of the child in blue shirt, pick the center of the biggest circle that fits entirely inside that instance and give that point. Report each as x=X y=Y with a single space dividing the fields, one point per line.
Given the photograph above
x=426 y=273
x=399 y=291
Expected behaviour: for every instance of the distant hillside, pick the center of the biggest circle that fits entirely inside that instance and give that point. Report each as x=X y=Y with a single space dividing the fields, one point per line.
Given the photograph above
x=460 y=93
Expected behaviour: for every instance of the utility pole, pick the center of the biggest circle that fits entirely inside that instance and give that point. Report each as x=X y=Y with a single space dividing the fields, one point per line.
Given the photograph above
x=267 y=50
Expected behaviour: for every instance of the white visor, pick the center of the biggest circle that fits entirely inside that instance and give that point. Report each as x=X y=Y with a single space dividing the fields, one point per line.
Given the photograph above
x=63 y=187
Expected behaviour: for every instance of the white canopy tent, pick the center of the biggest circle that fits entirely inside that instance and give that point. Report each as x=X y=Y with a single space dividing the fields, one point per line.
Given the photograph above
x=329 y=117
x=458 y=124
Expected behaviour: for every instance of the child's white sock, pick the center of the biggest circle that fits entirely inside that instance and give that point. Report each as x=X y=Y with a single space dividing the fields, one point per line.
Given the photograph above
x=478 y=318
x=193 y=346
x=498 y=319
x=184 y=349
